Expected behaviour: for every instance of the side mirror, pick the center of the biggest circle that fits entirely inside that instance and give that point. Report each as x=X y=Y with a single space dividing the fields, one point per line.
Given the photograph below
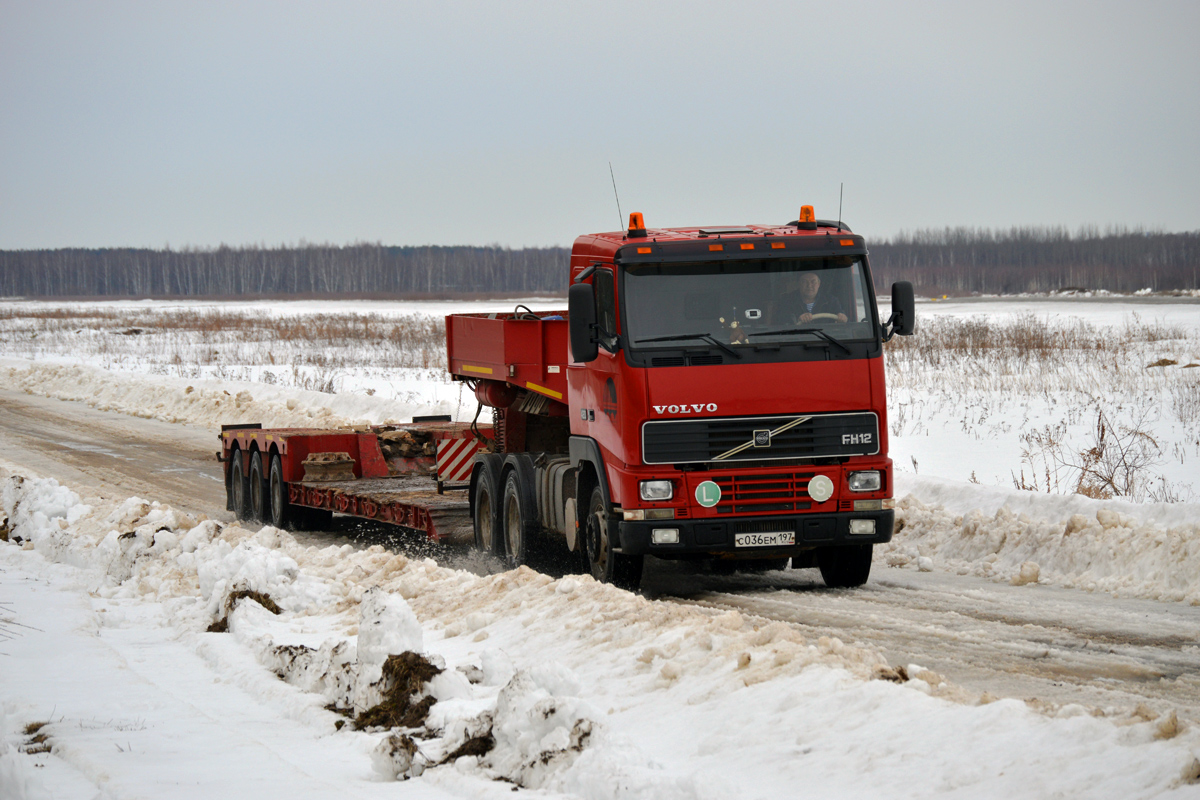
x=581 y=311
x=904 y=309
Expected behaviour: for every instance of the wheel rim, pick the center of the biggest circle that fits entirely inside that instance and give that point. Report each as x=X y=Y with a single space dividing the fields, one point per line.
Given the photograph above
x=256 y=498
x=276 y=498
x=484 y=506
x=235 y=477
x=597 y=543
x=512 y=528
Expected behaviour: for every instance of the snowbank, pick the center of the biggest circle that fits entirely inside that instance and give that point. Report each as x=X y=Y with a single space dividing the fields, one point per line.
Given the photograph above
x=211 y=403
x=1149 y=551
x=566 y=686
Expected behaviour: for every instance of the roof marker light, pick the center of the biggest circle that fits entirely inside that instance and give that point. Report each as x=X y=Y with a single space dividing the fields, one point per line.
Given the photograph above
x=776 y=245
x=748 y=246
x=847 y=242
x=715 y=247
x=643 y=250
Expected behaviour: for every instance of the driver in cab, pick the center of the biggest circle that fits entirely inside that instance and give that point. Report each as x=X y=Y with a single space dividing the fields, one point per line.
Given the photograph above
x=802 y=301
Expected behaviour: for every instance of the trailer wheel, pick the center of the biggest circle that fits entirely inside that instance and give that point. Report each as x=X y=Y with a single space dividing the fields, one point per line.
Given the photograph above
x=282 y=511
x=258 y=493
x=845 y=567
x=606 y=566
x=238 y=486
x=487 y=505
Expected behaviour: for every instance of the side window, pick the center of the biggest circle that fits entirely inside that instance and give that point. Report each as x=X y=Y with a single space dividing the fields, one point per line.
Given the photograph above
x=606 y=301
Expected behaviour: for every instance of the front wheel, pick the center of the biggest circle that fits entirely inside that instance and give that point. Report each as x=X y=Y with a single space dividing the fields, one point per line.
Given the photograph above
x=606 y=566
x=845 y=567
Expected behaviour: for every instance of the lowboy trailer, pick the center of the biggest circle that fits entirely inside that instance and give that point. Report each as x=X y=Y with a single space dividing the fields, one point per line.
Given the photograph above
x=710 y=393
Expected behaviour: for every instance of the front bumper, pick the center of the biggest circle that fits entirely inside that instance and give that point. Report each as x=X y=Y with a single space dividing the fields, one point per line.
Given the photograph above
x=712 y=537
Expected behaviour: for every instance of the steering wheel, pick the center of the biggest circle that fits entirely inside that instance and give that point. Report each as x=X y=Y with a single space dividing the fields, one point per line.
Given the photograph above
x=825 y=316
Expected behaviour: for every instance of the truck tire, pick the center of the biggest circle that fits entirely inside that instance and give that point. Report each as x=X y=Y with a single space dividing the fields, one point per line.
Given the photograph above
x=259 y=507
x=845 y=567
x=486 y=505
x=606 y=566
x=239 y=487
x=283 y=513
x=518 y=519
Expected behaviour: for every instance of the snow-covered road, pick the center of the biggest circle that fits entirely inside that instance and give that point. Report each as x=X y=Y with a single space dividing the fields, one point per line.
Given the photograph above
x=114 y=454
x=1035 y=641
x=1053 y=644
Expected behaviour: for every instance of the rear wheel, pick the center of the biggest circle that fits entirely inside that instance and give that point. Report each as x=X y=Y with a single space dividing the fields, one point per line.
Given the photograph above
x=282 y=511
x=238 y=485
x=258 y=494
x=606 y=566
x=487 y=505
x=518 y=525
x=845 y=567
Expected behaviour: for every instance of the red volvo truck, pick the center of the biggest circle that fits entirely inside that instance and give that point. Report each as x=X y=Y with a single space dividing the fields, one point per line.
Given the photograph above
x=710 y=393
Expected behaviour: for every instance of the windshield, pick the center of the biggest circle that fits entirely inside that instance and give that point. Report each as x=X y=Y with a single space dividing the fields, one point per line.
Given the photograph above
x=748 y=303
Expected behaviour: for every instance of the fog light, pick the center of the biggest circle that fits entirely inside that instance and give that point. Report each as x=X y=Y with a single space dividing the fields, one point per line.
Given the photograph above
x=664 y=536
x=656 y=490
x=865 y=481
x=862 y=527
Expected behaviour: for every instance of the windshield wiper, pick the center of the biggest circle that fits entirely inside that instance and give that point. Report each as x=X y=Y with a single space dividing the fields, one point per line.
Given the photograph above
x=816 y=331
x=708 y=337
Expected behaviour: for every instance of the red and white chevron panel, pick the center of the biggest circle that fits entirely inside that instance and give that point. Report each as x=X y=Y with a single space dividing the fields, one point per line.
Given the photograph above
x=455 y=457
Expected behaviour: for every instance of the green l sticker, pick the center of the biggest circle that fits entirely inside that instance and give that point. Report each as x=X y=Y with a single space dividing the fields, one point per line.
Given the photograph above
x=708 y=494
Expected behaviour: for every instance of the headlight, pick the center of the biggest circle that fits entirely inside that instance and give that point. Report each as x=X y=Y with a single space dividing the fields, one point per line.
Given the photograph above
x=865 y=481
x=656 y=490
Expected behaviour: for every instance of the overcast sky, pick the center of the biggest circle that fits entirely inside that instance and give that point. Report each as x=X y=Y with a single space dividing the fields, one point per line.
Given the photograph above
x=144 y=124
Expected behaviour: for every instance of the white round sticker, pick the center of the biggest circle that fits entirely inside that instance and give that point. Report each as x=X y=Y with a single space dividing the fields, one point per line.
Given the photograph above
x=820 y=488
x=708 y=494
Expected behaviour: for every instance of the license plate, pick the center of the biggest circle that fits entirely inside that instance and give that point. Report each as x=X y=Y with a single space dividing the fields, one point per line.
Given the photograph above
x=776 y=539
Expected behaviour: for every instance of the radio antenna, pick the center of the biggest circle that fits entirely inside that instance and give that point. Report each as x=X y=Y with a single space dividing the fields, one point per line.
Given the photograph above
x=620 y=216
x=841 y=187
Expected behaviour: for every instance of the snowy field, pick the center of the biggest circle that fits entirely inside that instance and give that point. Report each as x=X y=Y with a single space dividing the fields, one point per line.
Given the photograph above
x=113 y=685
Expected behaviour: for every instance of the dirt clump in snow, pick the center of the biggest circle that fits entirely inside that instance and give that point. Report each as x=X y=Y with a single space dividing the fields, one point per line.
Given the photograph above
x=404 y=678
x=264 y=600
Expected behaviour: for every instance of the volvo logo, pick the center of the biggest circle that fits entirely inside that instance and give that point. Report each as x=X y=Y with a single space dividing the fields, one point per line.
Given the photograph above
x=762 y=438
x=693 y=408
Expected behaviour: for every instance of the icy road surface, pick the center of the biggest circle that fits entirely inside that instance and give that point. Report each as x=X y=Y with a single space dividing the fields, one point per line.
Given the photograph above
x=1035 y=641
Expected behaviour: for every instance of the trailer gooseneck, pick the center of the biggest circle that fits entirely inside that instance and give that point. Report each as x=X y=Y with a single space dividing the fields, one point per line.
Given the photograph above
x=710 y=393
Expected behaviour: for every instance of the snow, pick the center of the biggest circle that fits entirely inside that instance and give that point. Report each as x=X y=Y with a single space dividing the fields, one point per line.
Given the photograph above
x=587 y=691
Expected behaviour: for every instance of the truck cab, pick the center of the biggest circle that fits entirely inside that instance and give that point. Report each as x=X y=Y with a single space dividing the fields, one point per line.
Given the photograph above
x=722 y=398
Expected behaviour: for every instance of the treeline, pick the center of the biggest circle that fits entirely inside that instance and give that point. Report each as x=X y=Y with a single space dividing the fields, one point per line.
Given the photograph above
x=954 y=260
x=357 y=269
x=966 y=260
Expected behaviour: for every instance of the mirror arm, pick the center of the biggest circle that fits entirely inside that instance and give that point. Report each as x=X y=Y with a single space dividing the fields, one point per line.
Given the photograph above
x=888 y=328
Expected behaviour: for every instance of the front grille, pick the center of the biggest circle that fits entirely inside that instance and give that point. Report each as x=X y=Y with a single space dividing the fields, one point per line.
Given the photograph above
x=750 y=494
x=731 y=439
